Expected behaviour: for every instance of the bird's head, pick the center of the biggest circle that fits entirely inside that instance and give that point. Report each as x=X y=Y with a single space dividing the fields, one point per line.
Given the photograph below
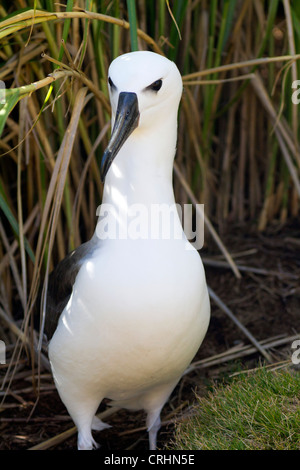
x=145 y=89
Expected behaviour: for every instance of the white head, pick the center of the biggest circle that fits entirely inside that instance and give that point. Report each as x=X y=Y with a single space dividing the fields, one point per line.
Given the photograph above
x=145 y=89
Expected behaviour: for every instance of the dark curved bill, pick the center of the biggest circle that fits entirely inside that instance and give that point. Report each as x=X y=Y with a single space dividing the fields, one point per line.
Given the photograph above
x=127 y=119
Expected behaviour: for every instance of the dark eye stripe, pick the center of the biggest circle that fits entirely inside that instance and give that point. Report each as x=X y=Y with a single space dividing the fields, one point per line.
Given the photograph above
x=155 y=86
x=111 y=83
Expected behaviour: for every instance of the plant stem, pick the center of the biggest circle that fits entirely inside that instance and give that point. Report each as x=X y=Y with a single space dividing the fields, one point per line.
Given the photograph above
x=133 y=24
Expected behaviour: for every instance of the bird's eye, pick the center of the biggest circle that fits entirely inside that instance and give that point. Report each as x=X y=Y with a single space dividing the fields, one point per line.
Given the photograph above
x=155 y=86
x=111 y=83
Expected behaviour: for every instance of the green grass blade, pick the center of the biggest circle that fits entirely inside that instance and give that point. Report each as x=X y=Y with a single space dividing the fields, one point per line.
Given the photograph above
x=178 y=9
x=66 y=29
x=162 y=18
x=10 y=100
x=225 y=28
x=273 y=8
x=133 y=24
x=269 y=27
x=4 y=206
x=116 y=33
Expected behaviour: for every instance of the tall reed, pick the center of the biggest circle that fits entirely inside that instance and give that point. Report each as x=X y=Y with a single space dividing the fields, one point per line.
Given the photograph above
x=238 y=144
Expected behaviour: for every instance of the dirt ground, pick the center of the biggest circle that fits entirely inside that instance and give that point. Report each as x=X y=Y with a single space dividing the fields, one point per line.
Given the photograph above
x=266 y=302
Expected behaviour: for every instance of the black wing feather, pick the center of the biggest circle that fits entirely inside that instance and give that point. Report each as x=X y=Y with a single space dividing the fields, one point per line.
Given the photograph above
x=60 y=285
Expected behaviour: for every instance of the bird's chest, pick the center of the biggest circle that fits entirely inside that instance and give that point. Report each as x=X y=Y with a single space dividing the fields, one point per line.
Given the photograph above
x=137 y=292
x=137 y=312
x=137 y=279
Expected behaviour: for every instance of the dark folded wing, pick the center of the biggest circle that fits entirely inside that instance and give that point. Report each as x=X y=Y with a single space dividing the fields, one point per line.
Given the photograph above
x=60 y=285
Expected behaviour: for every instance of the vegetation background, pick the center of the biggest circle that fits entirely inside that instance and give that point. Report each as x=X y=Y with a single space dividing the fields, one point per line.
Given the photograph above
x=238 y=140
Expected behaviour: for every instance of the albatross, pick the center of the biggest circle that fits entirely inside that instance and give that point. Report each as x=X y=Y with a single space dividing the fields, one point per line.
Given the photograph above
x=127 y=311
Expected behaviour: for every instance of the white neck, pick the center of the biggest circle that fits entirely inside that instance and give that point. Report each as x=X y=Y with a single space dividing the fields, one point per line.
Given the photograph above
x=142 y=170
x=141 y=174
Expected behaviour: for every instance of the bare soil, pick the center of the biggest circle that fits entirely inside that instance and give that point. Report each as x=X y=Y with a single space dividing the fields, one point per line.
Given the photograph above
x=267 y=303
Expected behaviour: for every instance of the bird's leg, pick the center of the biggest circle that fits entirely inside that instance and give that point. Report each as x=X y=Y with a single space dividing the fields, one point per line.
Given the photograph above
x=82 y=409
x=152 y=433
x=85 y=439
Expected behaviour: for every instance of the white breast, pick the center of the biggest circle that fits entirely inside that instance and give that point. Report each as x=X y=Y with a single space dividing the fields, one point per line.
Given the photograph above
x=136 y=315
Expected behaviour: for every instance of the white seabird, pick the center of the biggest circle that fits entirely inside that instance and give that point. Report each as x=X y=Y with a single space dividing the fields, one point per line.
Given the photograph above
x=126 y=314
